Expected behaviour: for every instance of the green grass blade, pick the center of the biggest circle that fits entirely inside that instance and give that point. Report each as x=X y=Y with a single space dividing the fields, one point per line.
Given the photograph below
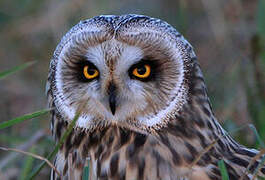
x=57 y=147
x=261 y=143
x=252 y=127
x=260 y=17
x=28 y=164
x=223 y=170
x=85 y=173
x=22 y=118
x=15 y=69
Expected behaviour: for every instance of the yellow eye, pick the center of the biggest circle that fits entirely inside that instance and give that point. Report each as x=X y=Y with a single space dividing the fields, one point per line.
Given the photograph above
x=142 y=71
x=90 y=73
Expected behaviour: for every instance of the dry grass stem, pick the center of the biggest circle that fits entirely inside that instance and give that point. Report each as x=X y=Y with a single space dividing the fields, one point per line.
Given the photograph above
x=257 y=170
x=203 y=152
x=24 y=147
x=253 y=160
x=32 y=155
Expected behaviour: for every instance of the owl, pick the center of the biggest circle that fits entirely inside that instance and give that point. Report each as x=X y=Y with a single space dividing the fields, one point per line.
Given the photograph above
x=145 y=110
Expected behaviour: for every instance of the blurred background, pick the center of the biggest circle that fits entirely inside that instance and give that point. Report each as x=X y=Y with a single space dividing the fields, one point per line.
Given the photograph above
x=227 y=35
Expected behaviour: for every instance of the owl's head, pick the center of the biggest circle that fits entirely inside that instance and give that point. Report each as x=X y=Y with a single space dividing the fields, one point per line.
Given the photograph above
x=131 y=70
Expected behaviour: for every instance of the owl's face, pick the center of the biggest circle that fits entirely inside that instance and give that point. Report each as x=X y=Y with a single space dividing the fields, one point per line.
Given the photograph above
x=130 y=75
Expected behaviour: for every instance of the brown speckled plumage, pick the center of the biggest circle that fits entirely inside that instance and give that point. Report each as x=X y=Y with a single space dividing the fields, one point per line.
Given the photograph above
x=139 y=142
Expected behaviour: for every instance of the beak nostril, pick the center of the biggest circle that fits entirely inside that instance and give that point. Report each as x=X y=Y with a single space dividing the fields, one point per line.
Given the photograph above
x=112 y=103
x=111 y=88
x=112 y=97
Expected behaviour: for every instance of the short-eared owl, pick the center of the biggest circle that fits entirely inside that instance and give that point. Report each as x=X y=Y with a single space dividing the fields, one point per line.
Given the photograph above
x=146 y=111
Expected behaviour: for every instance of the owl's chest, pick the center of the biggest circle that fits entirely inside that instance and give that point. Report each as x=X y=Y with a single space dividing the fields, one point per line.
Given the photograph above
x=121 y=154
x=118 y=154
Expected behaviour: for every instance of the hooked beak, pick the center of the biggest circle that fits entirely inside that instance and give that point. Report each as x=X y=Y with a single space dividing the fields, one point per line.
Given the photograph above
x=112 y=98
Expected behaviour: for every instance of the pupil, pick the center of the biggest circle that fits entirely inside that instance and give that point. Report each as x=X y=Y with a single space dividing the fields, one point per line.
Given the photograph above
x=141 y=70
x=91 y=71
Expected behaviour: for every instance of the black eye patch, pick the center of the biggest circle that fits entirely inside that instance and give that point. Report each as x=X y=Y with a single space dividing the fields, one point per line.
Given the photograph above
x=82 y=69
x=144 y=70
